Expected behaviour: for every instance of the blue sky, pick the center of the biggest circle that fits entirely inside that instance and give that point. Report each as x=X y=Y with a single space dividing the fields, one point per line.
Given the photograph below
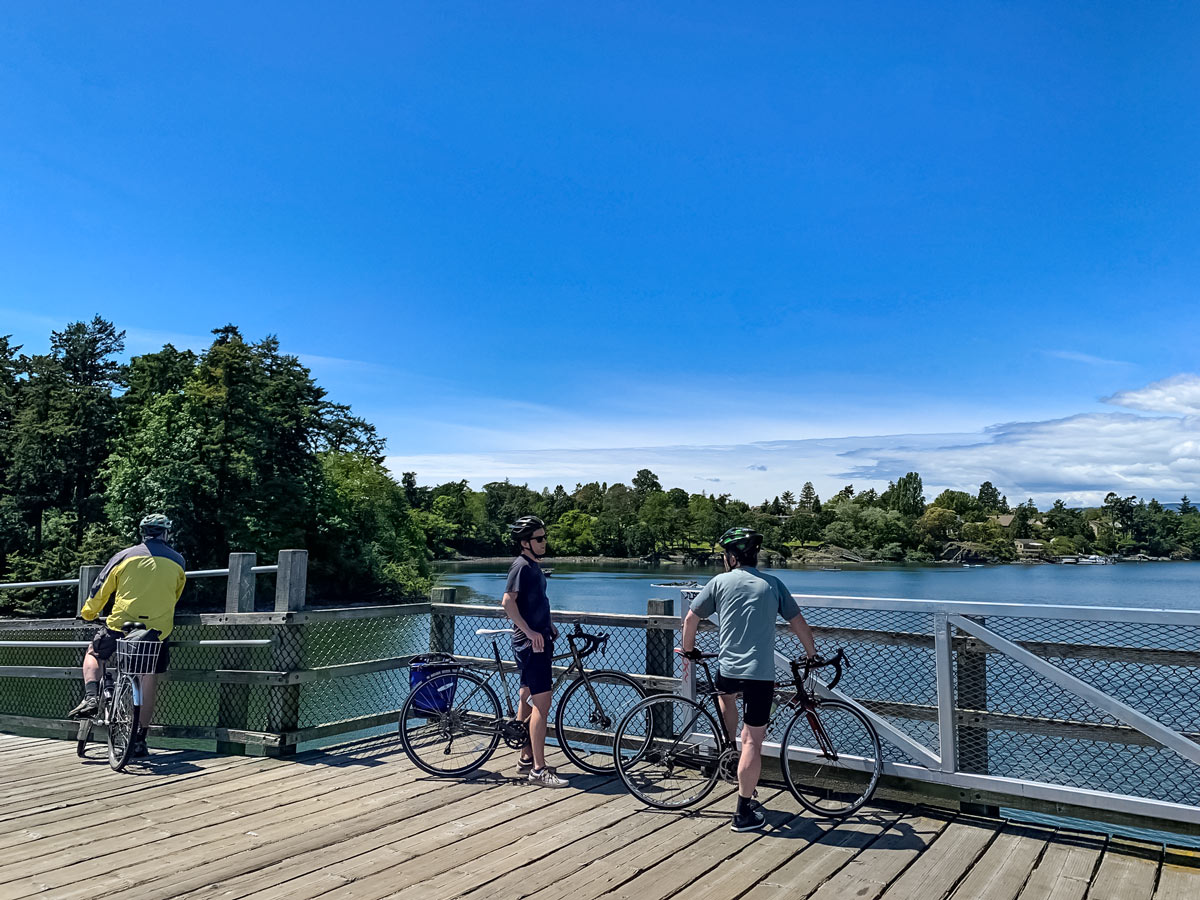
x=556 y=242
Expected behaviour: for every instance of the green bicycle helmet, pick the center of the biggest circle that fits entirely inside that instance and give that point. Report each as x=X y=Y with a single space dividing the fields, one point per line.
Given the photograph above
x=741 y=540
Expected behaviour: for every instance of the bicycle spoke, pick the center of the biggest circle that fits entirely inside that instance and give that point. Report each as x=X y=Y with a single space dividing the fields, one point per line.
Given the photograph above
x=667 y=751
x=832 y=758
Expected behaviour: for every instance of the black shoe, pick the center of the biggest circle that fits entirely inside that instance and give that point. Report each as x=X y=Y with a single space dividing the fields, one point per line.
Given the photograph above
x=86 y=709
x=139 y=749
x=751 y=820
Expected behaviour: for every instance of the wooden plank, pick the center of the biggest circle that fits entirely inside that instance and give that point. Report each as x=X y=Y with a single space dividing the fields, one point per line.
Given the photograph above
x=1001 y=872
x=690 y=864
x=817 y=862
x=1065 y=870
x=310 y=874
x=783 y=838
x=599 y=877
x=1124 y=875
x=177 y=857
x=943 y=864
x=518 y=845
x=263 y=847
x=166 y=820
x=1178 y=881
x=612 y=843
x=869 y=873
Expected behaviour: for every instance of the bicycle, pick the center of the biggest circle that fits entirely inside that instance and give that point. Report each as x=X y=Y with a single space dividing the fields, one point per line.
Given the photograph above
x=670 y=750
x=121 y=699
x=451 y=723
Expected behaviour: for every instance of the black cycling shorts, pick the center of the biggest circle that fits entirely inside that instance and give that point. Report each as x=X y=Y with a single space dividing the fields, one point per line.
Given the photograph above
x=757 y=697
x=536 y=671
x=104 y=645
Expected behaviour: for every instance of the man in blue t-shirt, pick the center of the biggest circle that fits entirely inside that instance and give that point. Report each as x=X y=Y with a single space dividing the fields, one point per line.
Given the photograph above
x=526 y=603
x=747 y=603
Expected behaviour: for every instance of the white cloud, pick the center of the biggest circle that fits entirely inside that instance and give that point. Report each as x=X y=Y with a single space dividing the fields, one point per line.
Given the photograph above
x=1078 y=458
x=1179 y=394
x=1086 y=358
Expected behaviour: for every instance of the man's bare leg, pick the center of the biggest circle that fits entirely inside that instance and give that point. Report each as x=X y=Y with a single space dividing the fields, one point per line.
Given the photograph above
x=750 y=762
x=538 y=719
x=524 y=709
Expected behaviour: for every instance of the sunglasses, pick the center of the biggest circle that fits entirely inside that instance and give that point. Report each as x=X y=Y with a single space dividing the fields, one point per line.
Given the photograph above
x=540 y=538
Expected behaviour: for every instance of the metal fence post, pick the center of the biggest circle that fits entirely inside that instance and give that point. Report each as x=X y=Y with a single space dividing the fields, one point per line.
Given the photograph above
x=287 y=655
x=441 y=625
x=233 y=700
x=87 y=574
x=942 y=650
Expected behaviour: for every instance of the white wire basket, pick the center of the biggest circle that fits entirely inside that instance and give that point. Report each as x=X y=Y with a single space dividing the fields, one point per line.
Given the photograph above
x=138 y=657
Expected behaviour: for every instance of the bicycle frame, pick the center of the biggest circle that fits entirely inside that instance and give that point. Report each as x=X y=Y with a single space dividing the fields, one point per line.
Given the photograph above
x=574 y=653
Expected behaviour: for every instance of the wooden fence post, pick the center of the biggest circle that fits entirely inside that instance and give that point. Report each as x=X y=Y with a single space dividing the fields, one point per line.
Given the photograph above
x=441 y=625
x=660 y=642
x=972 y=693
x=87 y=574
x=287 y=655
x=233 y=700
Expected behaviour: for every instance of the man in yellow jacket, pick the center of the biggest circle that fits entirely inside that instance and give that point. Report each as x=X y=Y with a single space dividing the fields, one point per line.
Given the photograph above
x=144 y=583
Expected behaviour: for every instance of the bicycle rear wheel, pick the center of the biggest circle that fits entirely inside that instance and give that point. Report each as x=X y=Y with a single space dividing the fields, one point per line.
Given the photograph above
x=450 y=724
x=831 y=758
x=666 y=750
x=122 y=724
x=586 y=720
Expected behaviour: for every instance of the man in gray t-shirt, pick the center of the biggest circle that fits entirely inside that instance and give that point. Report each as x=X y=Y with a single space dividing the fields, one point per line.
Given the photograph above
x=747 y=603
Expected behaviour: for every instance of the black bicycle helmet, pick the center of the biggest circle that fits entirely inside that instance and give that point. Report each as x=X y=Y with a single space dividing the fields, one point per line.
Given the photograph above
x=524 y=527
x=741 y=540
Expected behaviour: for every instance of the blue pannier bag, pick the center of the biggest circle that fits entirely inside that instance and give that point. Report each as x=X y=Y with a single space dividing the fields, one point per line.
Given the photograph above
x=431 y=699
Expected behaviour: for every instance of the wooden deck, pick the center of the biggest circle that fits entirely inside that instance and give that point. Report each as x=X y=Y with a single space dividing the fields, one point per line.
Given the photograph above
x=361 y=822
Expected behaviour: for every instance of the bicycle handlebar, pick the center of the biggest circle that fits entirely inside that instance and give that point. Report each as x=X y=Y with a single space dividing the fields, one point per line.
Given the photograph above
x=837 y=662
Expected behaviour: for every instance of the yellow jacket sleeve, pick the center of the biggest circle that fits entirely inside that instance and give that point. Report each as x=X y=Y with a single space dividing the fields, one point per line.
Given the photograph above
x=100 y=596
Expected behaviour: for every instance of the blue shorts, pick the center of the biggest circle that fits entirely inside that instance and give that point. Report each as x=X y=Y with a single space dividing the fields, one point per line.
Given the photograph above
x=535 y=668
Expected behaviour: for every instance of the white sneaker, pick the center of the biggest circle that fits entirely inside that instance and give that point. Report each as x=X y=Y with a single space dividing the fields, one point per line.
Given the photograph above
x=547 y=777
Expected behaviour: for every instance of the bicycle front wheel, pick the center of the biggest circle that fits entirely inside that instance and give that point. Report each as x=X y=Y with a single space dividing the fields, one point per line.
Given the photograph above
x=122 y=724
x=831 y=758
x=450 y=724
x=666 y=750
x=587 y=717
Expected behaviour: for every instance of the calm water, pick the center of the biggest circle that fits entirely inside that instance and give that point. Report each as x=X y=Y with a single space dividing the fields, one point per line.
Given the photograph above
x=626 y=590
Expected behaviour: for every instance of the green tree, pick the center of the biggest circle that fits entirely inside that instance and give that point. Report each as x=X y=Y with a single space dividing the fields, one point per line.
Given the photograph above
x=937 y=525
x=905 y=495
x=809 y=499
x=572 y=534
x=989 y=499
x=960 y=502
x=645 y=483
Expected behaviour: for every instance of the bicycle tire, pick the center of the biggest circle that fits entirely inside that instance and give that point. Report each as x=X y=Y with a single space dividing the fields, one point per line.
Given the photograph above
x=834 y=774
x=471 y=717
x=122 y=724
x=666 y=750
x=615 y=692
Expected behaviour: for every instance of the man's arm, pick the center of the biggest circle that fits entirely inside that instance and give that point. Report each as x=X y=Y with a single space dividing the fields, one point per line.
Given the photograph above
x=801 y=630
x=691 y=622
x=509 y=602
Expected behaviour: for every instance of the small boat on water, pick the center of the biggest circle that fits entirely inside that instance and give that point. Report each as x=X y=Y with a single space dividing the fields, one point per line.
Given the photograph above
x=678 y=584
x=1094 y=560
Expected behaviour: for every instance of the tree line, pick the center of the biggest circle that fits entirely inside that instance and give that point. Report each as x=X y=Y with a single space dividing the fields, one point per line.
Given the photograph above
x=895 y=525
x=242 y=448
